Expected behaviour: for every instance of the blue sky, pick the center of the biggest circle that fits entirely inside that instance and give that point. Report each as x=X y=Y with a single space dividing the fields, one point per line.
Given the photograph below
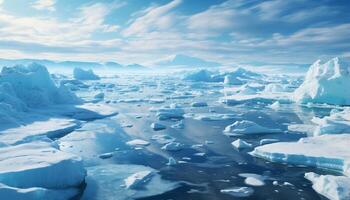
x=146 y=31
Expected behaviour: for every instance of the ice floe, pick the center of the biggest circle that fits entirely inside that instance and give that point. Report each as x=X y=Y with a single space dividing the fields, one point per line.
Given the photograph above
x=326 y=151
x=157 y=126
x=332 y=187
x=245 y=127
x=138 y=179
x=238 y=191
x=173 y=146
x=138 y=142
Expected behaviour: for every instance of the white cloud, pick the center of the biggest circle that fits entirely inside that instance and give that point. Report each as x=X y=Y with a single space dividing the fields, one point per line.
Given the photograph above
x=44 y=5
x=153 y=19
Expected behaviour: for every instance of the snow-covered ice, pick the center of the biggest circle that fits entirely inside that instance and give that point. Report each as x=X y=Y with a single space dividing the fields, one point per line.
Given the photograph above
x=330 y=152
x=325 y=83
x=332 y=187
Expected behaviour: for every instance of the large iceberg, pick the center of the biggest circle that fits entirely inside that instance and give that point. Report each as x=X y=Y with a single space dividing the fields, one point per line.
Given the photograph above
x=31 y=86
x=325 y=83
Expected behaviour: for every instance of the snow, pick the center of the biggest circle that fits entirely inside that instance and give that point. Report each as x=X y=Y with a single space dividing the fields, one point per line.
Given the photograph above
x=241 y=144
x=247 y=127
x=40 y=164
x=332 y=187
x=325 y=83
x=238 y=191
x=81 y=74
x=157 y=127
x=138 y=179
x=330 y=152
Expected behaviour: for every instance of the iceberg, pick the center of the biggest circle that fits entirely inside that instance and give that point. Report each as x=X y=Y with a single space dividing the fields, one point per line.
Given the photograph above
x=332 y=187
x=31 y=86
x=81 y=74
x=325 y=83
x=157 y=127
x=241 y=144
x=245 y=127
x=138 y=179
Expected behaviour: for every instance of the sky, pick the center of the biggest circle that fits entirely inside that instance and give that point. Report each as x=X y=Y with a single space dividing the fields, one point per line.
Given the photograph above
x=147 y=31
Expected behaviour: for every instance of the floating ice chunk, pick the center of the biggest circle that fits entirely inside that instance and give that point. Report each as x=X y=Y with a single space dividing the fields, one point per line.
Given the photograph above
x=138 y=179
x=171 y=112
x=302 y=128
x=179 y=125
x=82 y=74
x=138 y=142
x=91 y=111
x=241 y=144
x=213 y=117
x=238 y=191
x=330 y=152
x=34 y=193
x=253 y=179
x=105 y=181
x=163 y=139
x=276 y=105
x=268 y=141
x=106 y=155
x=157 y=127
x=325 y=83
x=173 y=146
x=171 y=161
x=247 y=127
x=332 y=187
x=199 y=104
x=30 y=165
x=336 y=123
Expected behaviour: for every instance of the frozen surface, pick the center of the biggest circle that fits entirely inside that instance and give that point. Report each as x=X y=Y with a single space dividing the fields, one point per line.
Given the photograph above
x=325 y=83
x=106 y=182
x=40 y=164
x=331 y=152
x=332 y=187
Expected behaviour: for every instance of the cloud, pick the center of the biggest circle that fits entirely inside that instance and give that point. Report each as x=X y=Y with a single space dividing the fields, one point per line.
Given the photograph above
x=44 y=5
x=153 y=19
